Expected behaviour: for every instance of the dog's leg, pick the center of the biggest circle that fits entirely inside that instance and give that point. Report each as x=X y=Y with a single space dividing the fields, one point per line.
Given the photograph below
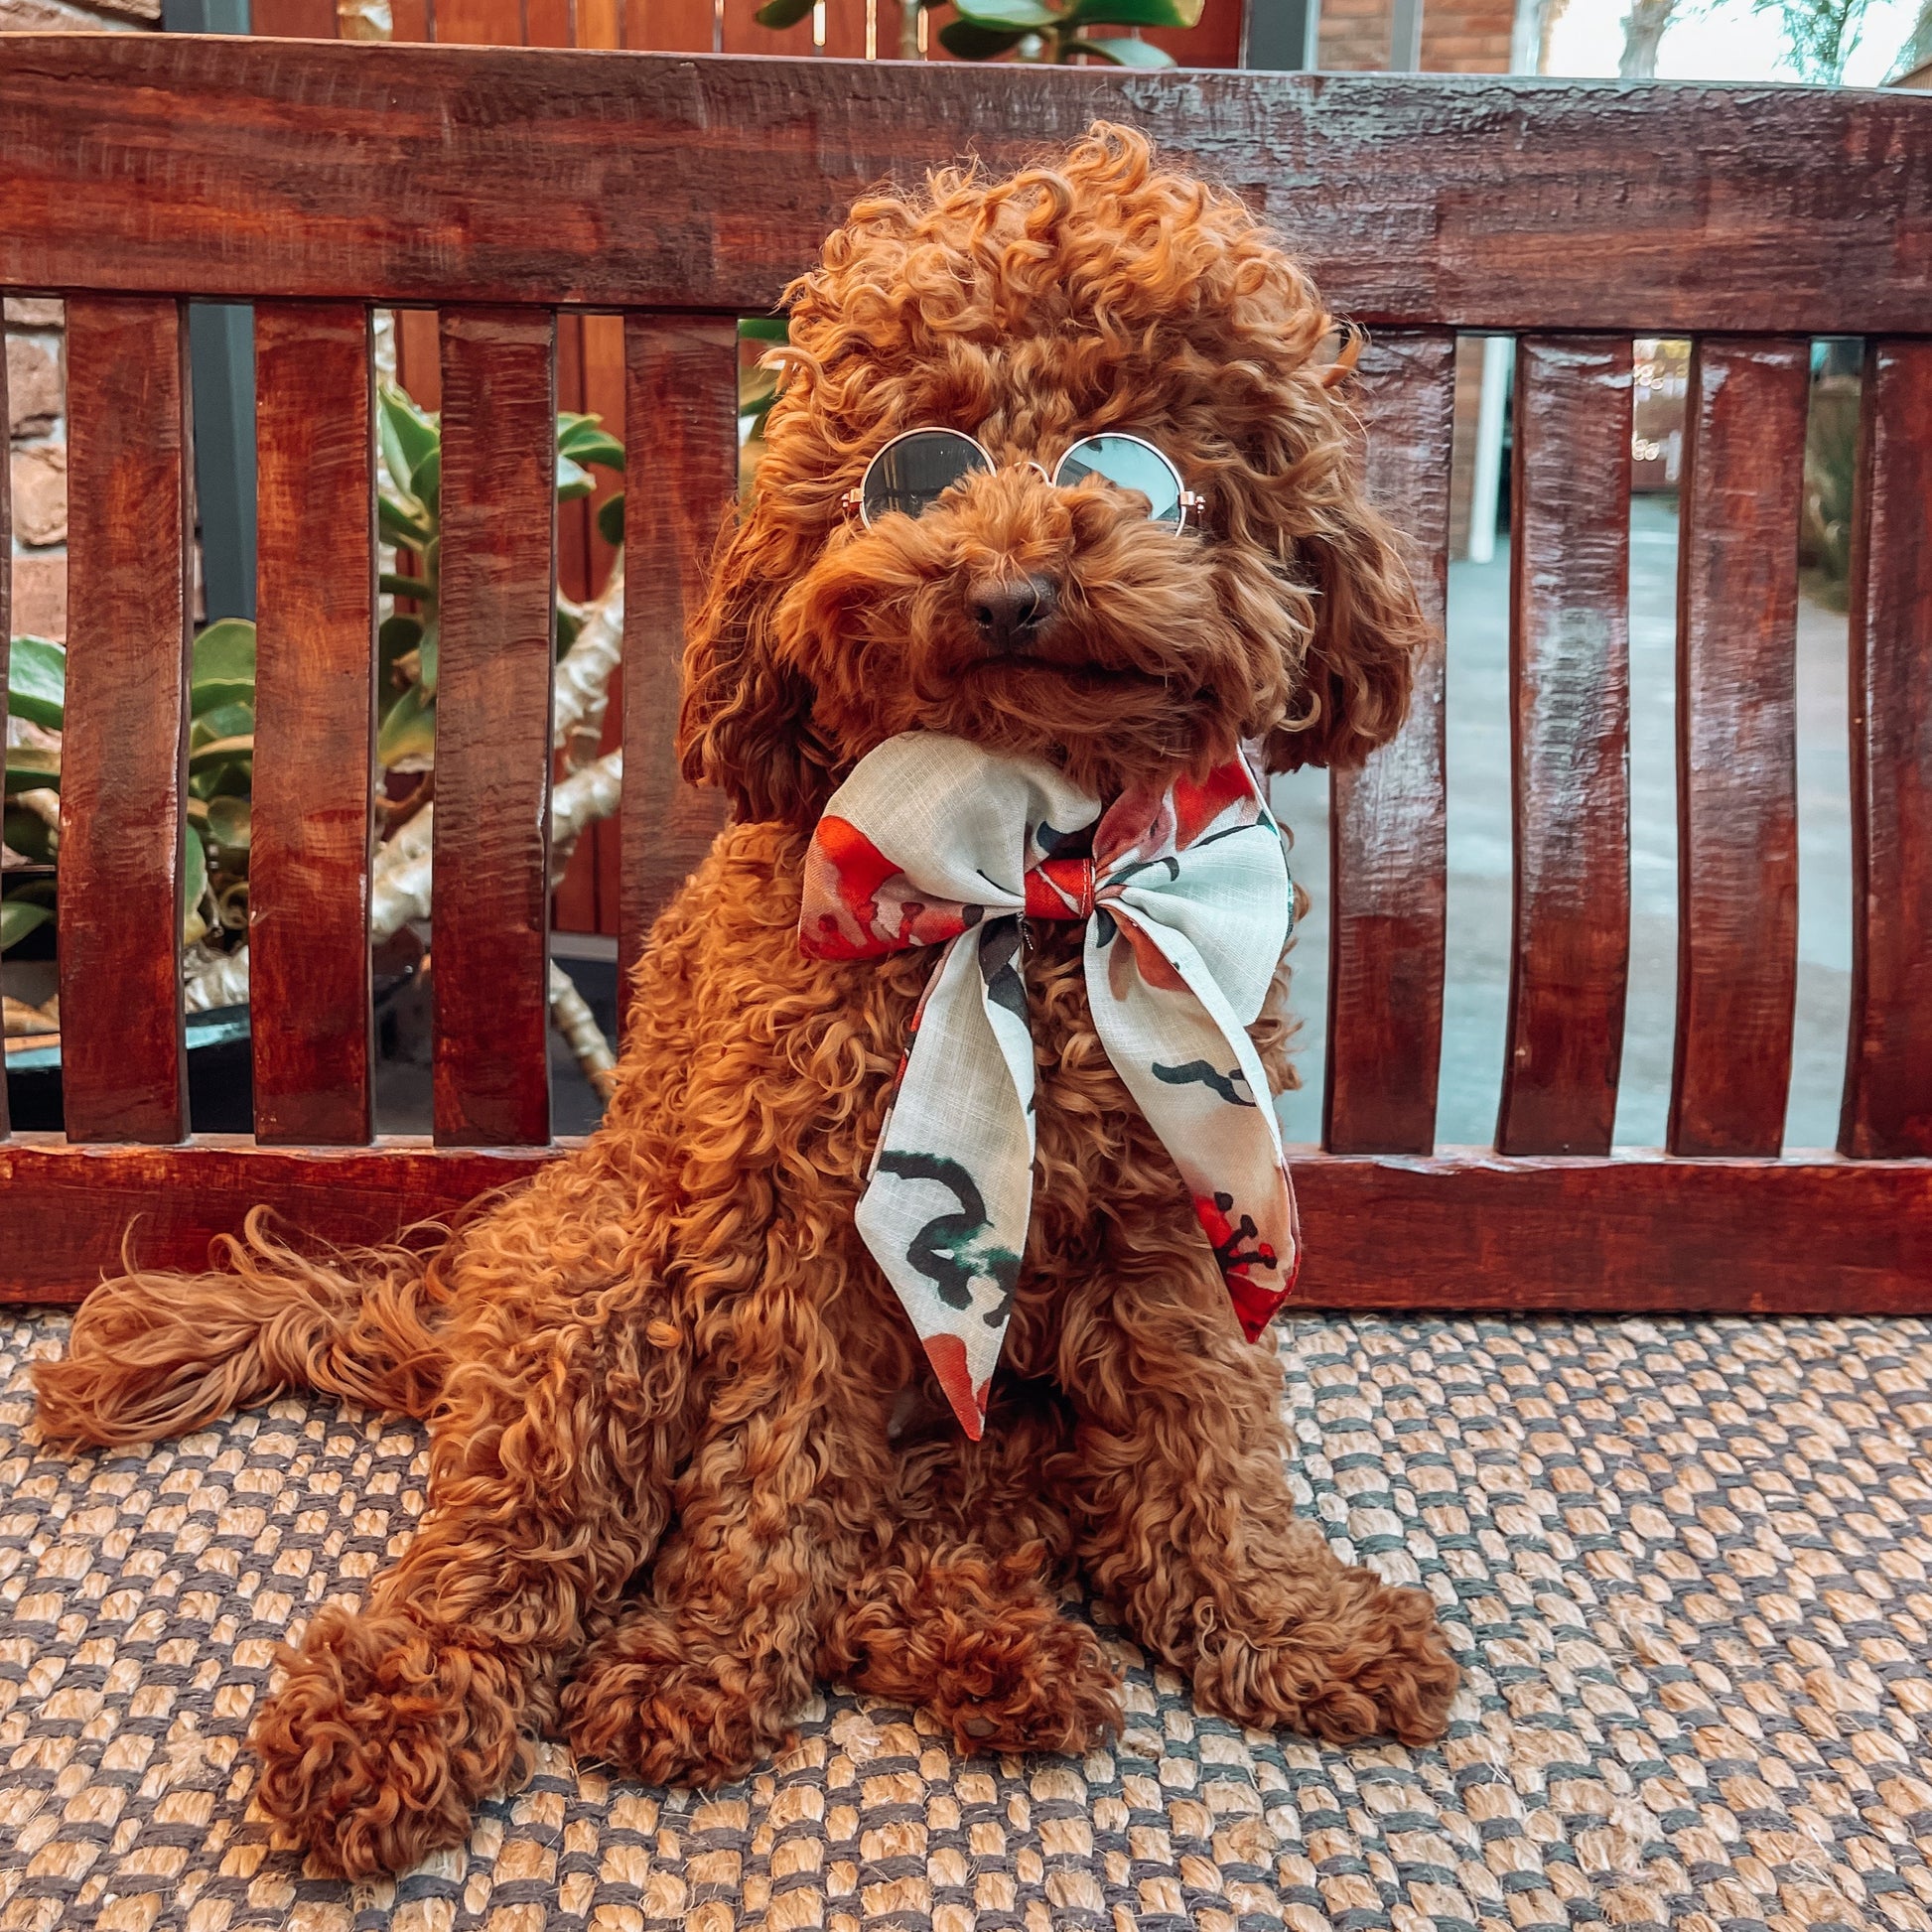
x=1177 y=1483
x=396 y=1720
x=959 y=1615
x=705 y=1674
x=980 y=1642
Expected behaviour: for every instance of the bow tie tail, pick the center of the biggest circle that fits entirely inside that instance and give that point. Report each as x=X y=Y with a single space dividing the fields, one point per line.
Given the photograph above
x=1193 y=1072
x=946 y=1209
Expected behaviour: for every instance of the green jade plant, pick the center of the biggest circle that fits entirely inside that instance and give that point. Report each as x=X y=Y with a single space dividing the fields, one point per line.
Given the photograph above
x=220 y=744
x=1030 y=30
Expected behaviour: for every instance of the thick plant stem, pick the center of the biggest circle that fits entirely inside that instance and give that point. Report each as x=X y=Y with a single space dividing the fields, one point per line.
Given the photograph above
x=399 y=888
x=572 y=1017
x=582 y=680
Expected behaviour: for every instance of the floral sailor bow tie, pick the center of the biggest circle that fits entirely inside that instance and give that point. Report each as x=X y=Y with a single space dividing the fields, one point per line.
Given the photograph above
x=1185 y=890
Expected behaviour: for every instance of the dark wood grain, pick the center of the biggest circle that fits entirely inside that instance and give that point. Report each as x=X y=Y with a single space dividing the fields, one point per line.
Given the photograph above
x=448 y=173
x=124 y=745
x=315 y=724
x=1888 y=1067
x=680 y=473
x=1737 y=744
x=1388 y=851
x=1570 y=737
x=490 y=938
x=1459 y=1230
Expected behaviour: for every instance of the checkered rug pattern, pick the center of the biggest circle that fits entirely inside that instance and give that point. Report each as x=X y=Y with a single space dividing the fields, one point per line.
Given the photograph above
x=1685 y=1564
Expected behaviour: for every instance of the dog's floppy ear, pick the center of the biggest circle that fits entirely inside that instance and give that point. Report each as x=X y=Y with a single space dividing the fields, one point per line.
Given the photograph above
x=745 y=721
x=1366 y=627
x=1359 y=662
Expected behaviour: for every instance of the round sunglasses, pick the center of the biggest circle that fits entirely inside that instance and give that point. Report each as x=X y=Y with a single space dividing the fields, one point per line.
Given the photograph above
x=918 y=466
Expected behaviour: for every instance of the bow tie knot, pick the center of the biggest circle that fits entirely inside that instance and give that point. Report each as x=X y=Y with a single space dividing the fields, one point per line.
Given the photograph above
x=1060 y=889
x=1185 y=893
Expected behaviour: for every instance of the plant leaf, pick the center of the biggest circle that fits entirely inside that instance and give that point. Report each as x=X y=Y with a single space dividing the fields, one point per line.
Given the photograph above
x=426 y=481
x=37 y=681
x=974 y=43
x=409 y=729
x=602 y=448
x=193 y=885
x=426 y=660
x=1027 y=15
x=1135 y=13
x=29 y=834
x=230 y=825
x=589 y=441
x=400 y=586
x=224 y=666
x=220 y=720
x=571 y=481
x=402 y=520
x=30 y=769
x=398 y=637
x=221 y=751
x=782 y=13
x=416 y=433
x=1121 y=53
x=763 y=328
x=17 y=917
x=609 y=520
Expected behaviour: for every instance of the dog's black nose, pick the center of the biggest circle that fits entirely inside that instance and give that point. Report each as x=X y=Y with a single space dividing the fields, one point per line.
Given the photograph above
x=1011 y=612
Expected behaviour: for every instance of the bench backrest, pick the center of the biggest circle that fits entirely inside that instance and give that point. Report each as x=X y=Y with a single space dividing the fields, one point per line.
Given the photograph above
x=497 y=186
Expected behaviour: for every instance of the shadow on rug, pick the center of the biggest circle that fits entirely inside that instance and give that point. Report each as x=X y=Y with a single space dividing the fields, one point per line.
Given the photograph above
x=1685 y=1564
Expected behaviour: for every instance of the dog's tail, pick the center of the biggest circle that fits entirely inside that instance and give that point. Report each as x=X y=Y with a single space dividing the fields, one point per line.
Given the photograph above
x=158 y=1354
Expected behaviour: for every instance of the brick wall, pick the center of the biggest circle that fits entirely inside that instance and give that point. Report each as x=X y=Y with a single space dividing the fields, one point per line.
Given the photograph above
x=36 y=387
x=1457 y=35
x=39 y=452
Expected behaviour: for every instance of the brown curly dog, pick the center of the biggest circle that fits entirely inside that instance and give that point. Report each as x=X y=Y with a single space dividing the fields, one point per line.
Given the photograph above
x=686 y=1454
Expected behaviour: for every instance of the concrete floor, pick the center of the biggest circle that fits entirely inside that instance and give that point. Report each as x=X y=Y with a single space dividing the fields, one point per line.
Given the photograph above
x=1476 y=993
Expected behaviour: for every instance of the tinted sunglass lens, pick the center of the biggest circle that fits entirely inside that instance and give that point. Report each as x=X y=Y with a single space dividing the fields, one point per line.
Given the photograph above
x=1128 y=464
x=908 y=475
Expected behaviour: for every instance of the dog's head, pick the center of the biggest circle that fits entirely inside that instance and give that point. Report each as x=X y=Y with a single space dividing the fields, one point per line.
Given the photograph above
x=1096 y=295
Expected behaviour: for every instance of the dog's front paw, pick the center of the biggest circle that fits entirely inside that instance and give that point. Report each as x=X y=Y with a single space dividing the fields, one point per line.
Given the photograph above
x=1044 y=1687
x=1373 y=1662
x=980 y=1643
x=649 y=1707
x=382 y=1740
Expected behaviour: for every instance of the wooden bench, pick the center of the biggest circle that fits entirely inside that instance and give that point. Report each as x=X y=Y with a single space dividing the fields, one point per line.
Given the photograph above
x=499 y=186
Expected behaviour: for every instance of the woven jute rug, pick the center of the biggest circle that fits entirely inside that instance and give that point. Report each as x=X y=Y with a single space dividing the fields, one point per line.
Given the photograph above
x=1685 y=1564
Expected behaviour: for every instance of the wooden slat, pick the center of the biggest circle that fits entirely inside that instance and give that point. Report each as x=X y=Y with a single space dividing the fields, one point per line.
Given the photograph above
x=418 y=366
x=599 y=23
x=845 y=28
x=1388 y=850
x=123 y=1059
x=1888 y=1069
x=1737 y=744
x=671 y=25
x=490 y=938
x=1569 y=735
x=315 y=724
x=1213 y=42
x=447 y=173
x=1461 y=1230
x=681 y=462
x=742 y=34
x=293 y=19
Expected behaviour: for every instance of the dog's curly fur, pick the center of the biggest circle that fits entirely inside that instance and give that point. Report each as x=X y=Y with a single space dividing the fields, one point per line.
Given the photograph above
x=676 y=1474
